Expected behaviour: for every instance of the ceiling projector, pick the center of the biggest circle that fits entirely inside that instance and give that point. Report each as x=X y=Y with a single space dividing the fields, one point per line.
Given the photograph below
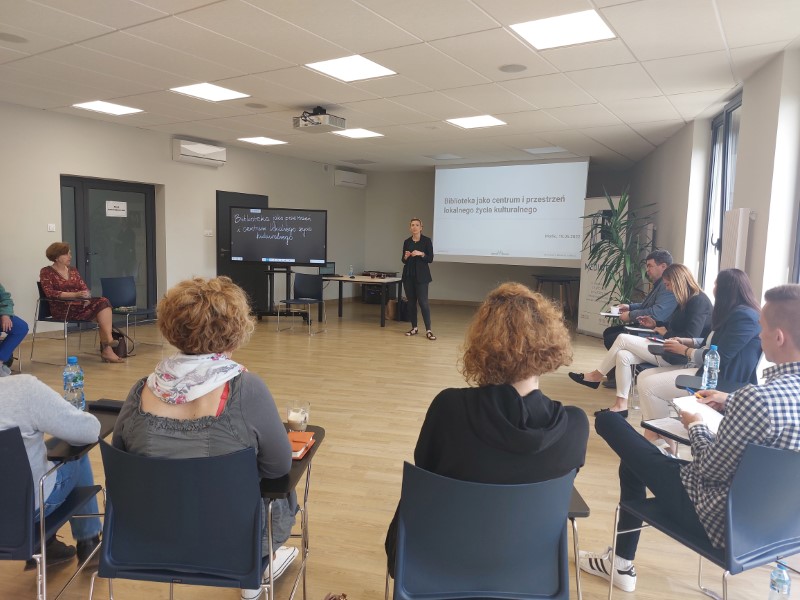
x=318 y=121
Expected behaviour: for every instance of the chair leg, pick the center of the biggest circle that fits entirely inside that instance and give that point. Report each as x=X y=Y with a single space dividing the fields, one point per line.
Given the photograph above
x=632 y=393
x=386 y=589
x=705 y=590
x=576 y=551
x=613 y=553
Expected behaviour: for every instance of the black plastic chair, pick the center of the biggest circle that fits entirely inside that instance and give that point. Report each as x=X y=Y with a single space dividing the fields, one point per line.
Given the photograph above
x=121 y=293
x=458 y=539
x=193 y=521
x=307 y=293
x=21 y=528
x=44 y=314
x=762 y=523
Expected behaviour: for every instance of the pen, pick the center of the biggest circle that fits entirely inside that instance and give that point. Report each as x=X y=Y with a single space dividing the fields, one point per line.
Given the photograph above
x=693 y=392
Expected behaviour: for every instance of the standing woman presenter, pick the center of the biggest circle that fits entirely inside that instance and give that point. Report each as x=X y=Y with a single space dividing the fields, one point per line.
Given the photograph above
x=417 y=255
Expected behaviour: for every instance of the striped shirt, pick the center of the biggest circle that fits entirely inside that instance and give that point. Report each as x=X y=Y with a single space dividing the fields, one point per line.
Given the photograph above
x=768 y=415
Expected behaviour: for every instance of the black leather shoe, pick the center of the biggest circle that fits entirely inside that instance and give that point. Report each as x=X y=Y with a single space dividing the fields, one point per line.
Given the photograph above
x=85 y=549
x=57 y=553
x=622 y=413
x=578 y=378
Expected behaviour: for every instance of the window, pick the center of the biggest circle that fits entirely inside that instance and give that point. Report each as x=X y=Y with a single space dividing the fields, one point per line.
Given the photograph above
x=722 y=170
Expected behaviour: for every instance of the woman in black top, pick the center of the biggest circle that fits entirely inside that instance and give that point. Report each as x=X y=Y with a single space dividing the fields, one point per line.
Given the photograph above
x=504 y=430
x=417 y=255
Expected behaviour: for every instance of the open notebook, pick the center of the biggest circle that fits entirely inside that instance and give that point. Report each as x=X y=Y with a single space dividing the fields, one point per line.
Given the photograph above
x=690 y=404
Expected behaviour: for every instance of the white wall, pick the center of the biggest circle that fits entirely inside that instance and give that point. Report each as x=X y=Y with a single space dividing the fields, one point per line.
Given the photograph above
x=37 y=147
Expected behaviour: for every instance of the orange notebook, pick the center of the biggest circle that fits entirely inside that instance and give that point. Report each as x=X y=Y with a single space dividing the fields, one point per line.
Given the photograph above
x=301 y=441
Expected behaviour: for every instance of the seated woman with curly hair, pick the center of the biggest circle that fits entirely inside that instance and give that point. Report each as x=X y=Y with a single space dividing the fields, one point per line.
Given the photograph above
x=504 y=430
x=199 y=402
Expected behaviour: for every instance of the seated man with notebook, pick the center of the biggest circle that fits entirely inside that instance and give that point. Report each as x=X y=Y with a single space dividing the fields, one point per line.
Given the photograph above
x=697 y=491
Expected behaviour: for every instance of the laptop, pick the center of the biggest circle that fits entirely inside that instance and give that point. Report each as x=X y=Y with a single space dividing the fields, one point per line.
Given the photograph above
x=329 y=270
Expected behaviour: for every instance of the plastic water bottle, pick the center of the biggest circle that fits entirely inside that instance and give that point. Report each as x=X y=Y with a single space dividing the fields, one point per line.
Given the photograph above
x=73 y=383
x=780 y=586
x=350 y=272
x=711 y=369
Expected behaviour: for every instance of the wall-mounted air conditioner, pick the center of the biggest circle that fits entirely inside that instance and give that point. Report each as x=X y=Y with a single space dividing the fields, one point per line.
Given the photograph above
x=197 y=153
x=349 y=179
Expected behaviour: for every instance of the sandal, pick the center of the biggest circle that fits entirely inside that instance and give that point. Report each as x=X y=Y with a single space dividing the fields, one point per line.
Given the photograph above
x=429 y=335
x=412 y=331
x=109 y=357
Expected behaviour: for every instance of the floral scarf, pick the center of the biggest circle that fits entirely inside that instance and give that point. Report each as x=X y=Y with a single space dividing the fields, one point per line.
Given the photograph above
x=182 y=378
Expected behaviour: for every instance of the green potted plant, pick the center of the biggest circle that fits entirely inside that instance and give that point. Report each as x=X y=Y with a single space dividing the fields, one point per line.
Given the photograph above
x=618 y=239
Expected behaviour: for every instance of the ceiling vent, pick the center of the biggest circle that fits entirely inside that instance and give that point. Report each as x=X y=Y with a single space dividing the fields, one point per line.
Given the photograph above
x=349 y=179
x=198 y=153
x=318 y=121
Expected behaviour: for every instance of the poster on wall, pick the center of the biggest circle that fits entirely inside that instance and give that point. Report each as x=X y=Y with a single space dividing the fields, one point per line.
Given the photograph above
x=591 y=301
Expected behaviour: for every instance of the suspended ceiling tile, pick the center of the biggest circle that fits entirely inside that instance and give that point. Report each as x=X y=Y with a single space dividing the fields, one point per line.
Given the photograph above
x=531 y=121
x=388 y=87
x=74 y=89
x=604 y=53
x=659 y=29
x=436 y=105
x=510 y=12
x=46 y=21
x=658 y=132
x=271 y=92
x=433 y=20
x=587 y=115
x=396 y=113
x=31 y=42
x=173 y=6
x=642 y=110
x=428 y=66
x=8 y=55
x=489 y=99
x=622 y=139
x=185 y=37
x=548 y=91
x=326 y=89
x=697 y=73
x=750 y=59
x=117 y=14
x=616 y=83
x=252 y=26
x=26 y=95
x=693 y=104
x=343 y=22
x=487 y=51
x=749 y=23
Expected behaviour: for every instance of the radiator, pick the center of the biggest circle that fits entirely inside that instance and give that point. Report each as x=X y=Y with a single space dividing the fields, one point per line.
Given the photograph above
x=735 y=228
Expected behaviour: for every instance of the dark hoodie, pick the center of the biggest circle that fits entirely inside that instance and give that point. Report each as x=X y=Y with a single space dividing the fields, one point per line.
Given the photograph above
x=491 y=434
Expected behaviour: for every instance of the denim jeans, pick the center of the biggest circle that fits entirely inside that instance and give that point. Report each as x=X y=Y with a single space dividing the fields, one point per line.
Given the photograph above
x=642 y=465
x=283 y=519
x=74 y=474
x=8 y=344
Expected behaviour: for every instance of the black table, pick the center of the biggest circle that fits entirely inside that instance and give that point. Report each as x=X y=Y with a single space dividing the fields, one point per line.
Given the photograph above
x=275 y=489
x=384 y=282
x=695 y=382
x=106 y=412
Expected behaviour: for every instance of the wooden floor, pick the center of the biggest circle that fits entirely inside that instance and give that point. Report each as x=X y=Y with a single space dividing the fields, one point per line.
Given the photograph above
x=370 y=387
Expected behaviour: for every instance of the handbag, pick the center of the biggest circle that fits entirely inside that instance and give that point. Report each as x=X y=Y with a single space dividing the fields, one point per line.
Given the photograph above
x=124 y=345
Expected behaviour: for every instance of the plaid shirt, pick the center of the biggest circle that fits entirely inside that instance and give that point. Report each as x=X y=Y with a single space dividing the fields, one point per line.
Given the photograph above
x=767 y=414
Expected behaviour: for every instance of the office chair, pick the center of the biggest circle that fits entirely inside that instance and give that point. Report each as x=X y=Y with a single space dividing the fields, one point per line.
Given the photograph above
x=194 y=521
x=121 y=293
x=761 y=521
x=307 y=293
x=43 y=313
x=22 y=531
x=458 y=539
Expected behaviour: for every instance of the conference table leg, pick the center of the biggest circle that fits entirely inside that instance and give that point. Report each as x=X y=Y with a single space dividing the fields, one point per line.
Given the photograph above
x=383 y=305
x=341 y=291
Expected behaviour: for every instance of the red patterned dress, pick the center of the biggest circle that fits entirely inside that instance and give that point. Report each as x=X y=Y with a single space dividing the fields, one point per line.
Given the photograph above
x=79 y=310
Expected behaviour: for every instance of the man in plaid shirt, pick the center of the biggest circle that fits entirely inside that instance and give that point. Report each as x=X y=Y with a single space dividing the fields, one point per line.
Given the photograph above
x=767 y=414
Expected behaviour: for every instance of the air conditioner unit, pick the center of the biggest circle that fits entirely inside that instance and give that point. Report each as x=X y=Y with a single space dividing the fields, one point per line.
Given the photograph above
x=349 y=179
x=200 y=154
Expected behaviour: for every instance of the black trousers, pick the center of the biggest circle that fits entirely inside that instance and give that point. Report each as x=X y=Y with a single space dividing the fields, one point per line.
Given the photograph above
x=610 y=335
x=417 y=293
x=642 y=466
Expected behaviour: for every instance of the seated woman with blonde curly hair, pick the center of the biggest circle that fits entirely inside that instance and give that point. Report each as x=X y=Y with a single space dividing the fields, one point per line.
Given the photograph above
x=199 y=402
x=504 y=430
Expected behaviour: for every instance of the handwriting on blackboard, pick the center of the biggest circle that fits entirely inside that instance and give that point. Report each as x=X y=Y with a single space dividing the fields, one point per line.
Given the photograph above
x=273 y=227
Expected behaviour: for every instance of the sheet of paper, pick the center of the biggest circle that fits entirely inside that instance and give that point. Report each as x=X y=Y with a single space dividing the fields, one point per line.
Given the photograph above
x=640 y=329
x=690 y=404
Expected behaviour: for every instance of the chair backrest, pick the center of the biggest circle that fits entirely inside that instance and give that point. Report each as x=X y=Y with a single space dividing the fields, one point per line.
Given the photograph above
x=16 y=498
x=199 y=518
x=43 y=305
x=120 y=291
x=458 y=539
x=307 y=286
x=762 y=519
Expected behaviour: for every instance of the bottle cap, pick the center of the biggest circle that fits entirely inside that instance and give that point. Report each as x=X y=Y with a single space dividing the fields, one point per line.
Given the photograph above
x=713 y=347
x=72 y=360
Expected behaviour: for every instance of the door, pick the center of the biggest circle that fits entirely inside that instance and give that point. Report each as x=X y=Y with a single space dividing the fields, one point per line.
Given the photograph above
x=249 y=276
x=111 y=228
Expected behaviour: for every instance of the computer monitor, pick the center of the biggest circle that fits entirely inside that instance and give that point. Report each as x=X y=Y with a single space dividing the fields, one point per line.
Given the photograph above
x=328 y=269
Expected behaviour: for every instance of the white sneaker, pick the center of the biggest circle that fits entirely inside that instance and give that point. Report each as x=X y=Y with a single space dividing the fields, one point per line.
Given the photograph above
x=284 y=556
x=600 y=565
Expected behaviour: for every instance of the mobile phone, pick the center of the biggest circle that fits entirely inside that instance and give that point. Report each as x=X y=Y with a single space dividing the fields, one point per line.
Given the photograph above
x=655 y=339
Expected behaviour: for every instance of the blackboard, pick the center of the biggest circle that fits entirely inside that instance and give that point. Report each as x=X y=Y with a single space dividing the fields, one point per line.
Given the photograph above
x=281 y=236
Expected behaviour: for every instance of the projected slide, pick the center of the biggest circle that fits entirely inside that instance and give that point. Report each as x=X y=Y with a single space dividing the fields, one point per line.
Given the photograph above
x=513 y=214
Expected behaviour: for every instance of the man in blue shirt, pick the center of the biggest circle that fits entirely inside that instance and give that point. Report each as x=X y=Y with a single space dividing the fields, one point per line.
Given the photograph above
x=660 y=303
x=696 y=492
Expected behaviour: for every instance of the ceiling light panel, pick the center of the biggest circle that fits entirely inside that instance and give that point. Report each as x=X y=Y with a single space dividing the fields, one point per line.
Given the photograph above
x=357 y=134
x=475 y=122
x=351 y=68
x=108 y=108
x=262 y=141
x=564 y=30
x=209 y=91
